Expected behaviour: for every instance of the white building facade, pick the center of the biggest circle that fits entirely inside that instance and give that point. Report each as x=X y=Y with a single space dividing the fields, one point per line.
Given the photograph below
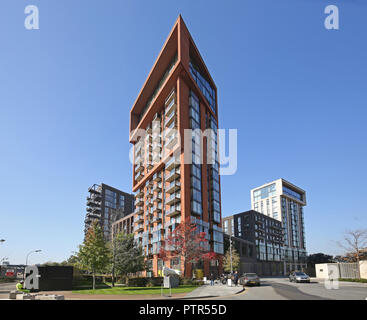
x=284 y=201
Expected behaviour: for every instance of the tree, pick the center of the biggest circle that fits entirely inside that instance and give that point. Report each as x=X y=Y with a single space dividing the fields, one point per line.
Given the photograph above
x=227 y=260
x=354 y=243
x=317 y=258
x=93 y=253
x=126 y=256
x=187 y=243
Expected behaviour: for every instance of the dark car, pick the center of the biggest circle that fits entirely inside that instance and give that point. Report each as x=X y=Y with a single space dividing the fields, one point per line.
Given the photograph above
x=298 y=276
x=250 y=279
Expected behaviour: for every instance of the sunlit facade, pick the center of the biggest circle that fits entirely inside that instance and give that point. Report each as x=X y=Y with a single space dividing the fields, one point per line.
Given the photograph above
x=284 y=201
x=178 y=94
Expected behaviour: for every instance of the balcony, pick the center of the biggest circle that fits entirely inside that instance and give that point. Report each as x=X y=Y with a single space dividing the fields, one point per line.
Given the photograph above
x=170 y=107
x=157 y=157
x=96 y=189
x=139 y=210
x=176 y=210
x=149 y=148
x=138 y=149
x=97 y=210
x=157 y=198
x=139 y=176
x=93 y=215
x=149 y=203
x=172 y=141
x=172 y=163
x=139 y=201
x=172 y=96
x=174 y=198
x=157 y=217
x=157 y=138
x=157 y=187
x=173 y=186
x=157 y=148
x=138 y=227
x=157 y=209
x=157 y=177
x=139 y=218
x=171 y=118
x=139 y=168
x=92 y=203
x=156 y=124
x=140 y=193
x=173 y=175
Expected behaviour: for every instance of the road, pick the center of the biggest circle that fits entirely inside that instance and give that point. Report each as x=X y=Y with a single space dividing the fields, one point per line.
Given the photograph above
x=282 y=289
x=5 y=288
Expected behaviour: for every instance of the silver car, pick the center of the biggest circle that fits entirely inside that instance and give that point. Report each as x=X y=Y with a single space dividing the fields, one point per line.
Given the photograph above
x=298 y=276
x=250 y=279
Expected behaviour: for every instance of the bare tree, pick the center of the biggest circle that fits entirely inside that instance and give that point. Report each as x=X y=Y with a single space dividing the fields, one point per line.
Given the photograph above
x=354 y=241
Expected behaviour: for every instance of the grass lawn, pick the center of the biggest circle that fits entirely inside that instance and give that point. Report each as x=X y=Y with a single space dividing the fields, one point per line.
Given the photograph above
x=137 y=290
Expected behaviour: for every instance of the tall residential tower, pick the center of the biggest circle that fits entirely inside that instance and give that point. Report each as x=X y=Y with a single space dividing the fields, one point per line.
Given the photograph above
x=284 y=201
x=178 y=94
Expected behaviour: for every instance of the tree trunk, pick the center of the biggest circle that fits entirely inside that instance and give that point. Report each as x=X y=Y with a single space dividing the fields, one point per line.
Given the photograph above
x=94 y=281
x=358 y=266
x=113 y=275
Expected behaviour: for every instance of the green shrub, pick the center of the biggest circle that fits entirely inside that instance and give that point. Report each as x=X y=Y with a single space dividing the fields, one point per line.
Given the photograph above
x=136 y=282
x=186 y=281
x=143 y=282
x=354 y=280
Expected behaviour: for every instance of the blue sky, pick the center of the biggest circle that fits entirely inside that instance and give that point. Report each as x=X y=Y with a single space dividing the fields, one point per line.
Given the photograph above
x=295 y=91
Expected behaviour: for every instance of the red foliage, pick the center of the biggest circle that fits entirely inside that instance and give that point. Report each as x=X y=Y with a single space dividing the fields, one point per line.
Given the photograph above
x=210 y=256
x=185 y=242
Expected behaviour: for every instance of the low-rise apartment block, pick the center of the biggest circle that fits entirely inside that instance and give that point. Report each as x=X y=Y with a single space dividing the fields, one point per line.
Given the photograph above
x=107 y=205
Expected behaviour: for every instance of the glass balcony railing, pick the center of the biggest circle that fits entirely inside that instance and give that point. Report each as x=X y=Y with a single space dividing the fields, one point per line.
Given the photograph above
x=172 y=163
x=173 y=186
x=174 y=198
x=172 y=175
x=175 y=210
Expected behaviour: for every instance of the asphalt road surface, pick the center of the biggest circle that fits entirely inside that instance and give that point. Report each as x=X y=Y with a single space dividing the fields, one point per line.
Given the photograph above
x=282 y=289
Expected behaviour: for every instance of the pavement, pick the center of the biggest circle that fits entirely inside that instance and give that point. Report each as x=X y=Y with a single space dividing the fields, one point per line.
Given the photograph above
x=214 y=292
x=5 y=288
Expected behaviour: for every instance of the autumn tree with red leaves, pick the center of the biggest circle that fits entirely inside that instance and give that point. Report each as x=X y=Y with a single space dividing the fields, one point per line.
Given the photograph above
x=186 y=243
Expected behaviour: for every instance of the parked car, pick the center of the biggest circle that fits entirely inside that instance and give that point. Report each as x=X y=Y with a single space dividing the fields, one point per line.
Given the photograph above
x=298 y=276
x=250 y=279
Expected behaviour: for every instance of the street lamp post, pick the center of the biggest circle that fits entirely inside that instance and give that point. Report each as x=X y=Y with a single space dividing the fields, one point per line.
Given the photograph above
x=230 y=251
x=34 y=251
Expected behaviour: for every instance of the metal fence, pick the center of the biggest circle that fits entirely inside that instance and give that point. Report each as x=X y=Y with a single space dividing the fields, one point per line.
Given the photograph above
x=348 y=270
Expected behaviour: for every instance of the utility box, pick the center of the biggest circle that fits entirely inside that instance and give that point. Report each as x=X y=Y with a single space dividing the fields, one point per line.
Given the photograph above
x=52 y=278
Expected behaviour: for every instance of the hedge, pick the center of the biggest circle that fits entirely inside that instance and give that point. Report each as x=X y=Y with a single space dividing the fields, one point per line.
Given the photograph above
x=354 y=280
